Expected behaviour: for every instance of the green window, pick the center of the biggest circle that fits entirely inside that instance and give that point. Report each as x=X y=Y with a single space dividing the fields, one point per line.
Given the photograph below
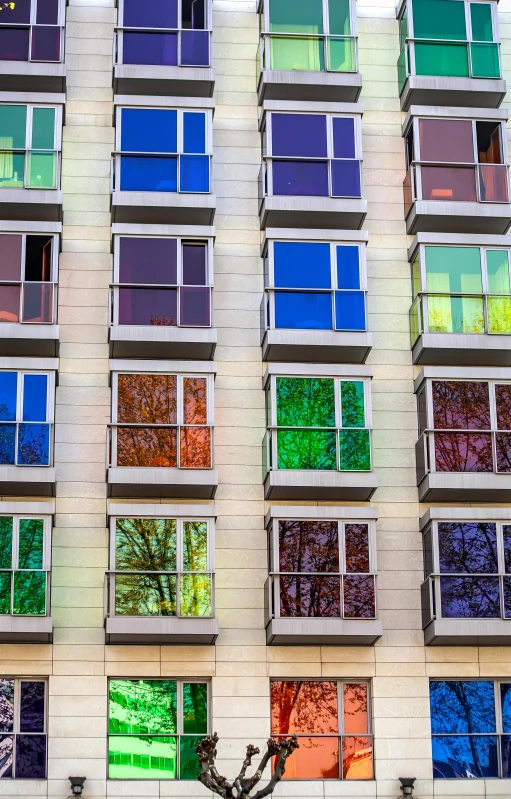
x=154 y=727
x=31 y=130
x=320 y=424
x=161 y=568
x=499 y=291
x=23 y=552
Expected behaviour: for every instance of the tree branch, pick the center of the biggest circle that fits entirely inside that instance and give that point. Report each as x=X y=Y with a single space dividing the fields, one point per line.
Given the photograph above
x=285 y=747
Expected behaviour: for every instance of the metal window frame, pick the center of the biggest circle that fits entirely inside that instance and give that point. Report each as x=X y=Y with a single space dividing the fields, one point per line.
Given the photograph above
x=16 y=719
x=50 y=410
x=46 y=558
x=27 y=149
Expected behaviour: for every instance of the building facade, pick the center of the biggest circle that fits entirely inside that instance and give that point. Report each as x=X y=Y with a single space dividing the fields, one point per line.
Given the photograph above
x=255 y=394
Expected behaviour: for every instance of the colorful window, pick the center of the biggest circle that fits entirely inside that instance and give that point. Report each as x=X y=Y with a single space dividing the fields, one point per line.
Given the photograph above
x=313 y=155
x=332 y=721
x=322 y=569
x=471 y=726
x=468 y=569
x=161 y=567
x=26 y=412
x=162 y=282
x=449 y=38
x=319 y=423
x=28 y=275
x=312 y=35
x=164 y=33
x=154 y=727
x=31 y=30
x=30 y=144
x=460 y=290
x=166 y=150
x=315 y=286
x=468 y=425
x=162 y=420
x=24 y=565
x=23 y=738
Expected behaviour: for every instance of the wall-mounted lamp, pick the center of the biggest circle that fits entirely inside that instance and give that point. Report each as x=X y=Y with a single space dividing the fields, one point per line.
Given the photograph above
x=77 y=785
x=407 y=784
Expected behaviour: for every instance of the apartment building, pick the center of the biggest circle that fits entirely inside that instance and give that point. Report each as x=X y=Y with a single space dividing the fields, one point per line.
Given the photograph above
x=255 y=394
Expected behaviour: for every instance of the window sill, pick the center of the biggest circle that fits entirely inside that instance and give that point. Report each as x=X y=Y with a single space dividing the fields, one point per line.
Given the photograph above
x=439 y=90
x=133 y=481
x=300 y=484
x=160 y=630
x=340 y=87
x=156 y=79
x=462 y=349
x=33 y=76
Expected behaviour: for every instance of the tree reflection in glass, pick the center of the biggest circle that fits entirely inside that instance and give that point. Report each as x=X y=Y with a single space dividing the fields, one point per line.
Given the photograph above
x=462 y=405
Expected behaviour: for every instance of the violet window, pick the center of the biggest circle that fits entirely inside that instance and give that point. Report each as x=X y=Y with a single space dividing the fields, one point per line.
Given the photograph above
x=23 y=737
x=31 y=30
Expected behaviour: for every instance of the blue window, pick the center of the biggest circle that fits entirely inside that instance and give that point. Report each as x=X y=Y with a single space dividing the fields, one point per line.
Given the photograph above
x=24 y=419
x=166 y=150
x=315 y=286
x=471 y=728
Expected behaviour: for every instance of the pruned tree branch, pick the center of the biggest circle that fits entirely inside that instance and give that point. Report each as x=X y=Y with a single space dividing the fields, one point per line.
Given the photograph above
x=241 y=787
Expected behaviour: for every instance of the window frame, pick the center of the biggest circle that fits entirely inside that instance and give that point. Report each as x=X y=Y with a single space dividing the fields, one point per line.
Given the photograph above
x=27 y=149
x=61 y=23
x=46 y=560
x=16 y=723
x=181 y=240
x=180 y=520
x=54 y=269
x=50 y=412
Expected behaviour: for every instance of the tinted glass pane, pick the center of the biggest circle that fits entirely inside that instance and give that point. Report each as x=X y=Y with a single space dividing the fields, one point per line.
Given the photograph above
x=300 y=178
x=467 y=547
x=344 y=137
x=195 y=400
x=147 y=398
x=352 y=403
x=446 y=140
x=354 y=450
x=463 y=452
x=148 y=130
x=304 y=311
x=189 y=766
x=6 y=543
x=148 y=307
x=195 y=48
x=7 y=443
x=9 y=303
x=149 y=447
x=5 y=756
x=462 y=707
x=194 y=264
x=136 y=757
x=41 y=170
x=341 y=55
x=480 y=17
x=461 y=405
x=31 y=757
x=10 y=257
x=470 y=597
x=29 y=593
x=287 y=53
x=34 y=398
x=453 y=269
x=195 y=448
x=447 y=60
x=357 y=758
x=497 y=262
x=157 y=14
x=304 y=707
x=448 y=183
x=194 y=173
x=292 y=264
x=503 y=405
x=296 y=16
x=355 y=708
x=142 y=706
x=45 y=43
x=359 y=597
x=14 y=43
x=350 y=310
x=493 y=183
x=43 y=128
x=194 y=133
x=346 y=179
x=148 y=174
x=503 y=447
x=146 y=595
x=149 y=48
x=439 y=19
x=302 y=135
x=306 y=449
x=308 y=546
x=196 y=595
x=47 y=12
x=485 y=60
x=348 y=270
x=195 y=550
x=5 y=592
x=339 y=17
x=305 y=402
x=307 y=597
x=8 y=386
x=145 y=544
x=6 y=705
x=16 y=12
x=37 y=302
x=195 y=707
x=356 y=541
x=33 y=444
x=32 y=706
x=147 y=260
x=505 y=697
x=465 y=756
x=30 y=544
x=13 y=122
x=13 y=170
x=195 y=306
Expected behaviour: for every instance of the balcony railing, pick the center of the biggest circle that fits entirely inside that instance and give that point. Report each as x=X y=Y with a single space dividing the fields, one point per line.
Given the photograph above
x=451 y=59
x=460 y=313
x=440 y=590
x=29 y=169
x=160 y=446
x=24 y=593
x=187 y=595
x=28 y=302
x=317 y=449
x=306 y=52
x=150 y=304
x=463 y=451
x=162 y=172
x=336 y=595
x=165 y=48
x=31 y=43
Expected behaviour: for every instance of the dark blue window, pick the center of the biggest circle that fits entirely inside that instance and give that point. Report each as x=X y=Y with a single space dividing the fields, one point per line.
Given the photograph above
x=301 y=265
x=8 y=393
x=148 y=130
x=34 y=398
x=304 y=311
x=24 y=433
x=194 y=133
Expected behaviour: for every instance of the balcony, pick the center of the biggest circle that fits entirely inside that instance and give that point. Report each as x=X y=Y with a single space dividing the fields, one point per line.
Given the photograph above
x=457 y=179
x=461 y=312
x=465 y=603
x=463 y=457
x=330 y=457
x=453 y=61
x=315 y=179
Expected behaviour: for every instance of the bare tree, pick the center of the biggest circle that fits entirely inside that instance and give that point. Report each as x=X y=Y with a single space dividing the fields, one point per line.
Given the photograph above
x=240 y=789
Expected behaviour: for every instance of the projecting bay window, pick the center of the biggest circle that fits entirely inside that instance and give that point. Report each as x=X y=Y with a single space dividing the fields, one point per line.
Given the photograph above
x=164 y=33
x=25 y=554
x=30 y=146
x=26 y=416
x=32 y=30
x=28 y=277
x=23 y=739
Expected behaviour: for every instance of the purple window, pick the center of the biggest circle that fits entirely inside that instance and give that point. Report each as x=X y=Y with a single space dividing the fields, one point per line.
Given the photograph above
x=17 y=12
x=157 y=307
x=30 y=757
x=32 y=707
x=154 y=14
x=45 y=43
x=463 y=452
x=470 y=597
x=344 y=137
x=195 y=305
x=14 y=44
x=299 y=135
x=149 y=48
x=194 y=265
x=148 y=260
x=195 y=48
x=461 y=405
x=346 y=179
x=47 y=12
x=300 y=178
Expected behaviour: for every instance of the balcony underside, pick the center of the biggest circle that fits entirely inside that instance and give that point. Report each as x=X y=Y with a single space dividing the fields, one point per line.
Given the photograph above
x=466 y=92
x=27 y=76
x=163 y=80
x=468 y=632
x=301 y=484
x=43 y=205
x=133 y=481
x=313 y=212
x=340 y=87
x=463 y=349
x=465 y=487
x=26 y=629
x=317 y=346
x=27 y=481
x=160 y=630
x=159 y=207
x=133 y=341
x=29 y=340
x=323 y=632
x=430 y=216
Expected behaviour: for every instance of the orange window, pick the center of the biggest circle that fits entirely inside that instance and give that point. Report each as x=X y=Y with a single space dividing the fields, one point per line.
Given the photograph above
x=147 y=399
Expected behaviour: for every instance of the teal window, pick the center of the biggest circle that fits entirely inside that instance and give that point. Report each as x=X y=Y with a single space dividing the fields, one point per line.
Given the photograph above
x=319 y=423
x=24 y=565
x=154 y=727
x=161 y=567
x=29 y=146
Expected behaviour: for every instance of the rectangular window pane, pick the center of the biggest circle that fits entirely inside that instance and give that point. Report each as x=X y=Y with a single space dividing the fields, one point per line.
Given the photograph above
x=304 y=707
x=354 y=450
x=17 y=12
x=33 y=444
x=462 y=707
x=196 y=595
x=43 y=128
x=147 y=398
x=457 y=184
x=316 y=759
x=37 y=302
x=493 y=183
x=8 y=388
x=470 y=597
x=465 y=756
x=6 y=705
x=5 y=592
x=305 y=402
x=47 y=12
x=194 y=132
x=14 y=43
x=195 y=448
x=357 y=758
x=292 y=265
x=145 y=595
x=446 y=140
x=485 y=60
x=5 y=542
x=308 y=546
x=344 y=137
x=6 y=747
x=299 y=135
x=148 y=130
x=303 y=311
x=498 y=271
x=352 y=403
x=7 y=443
x=142 y=707
x=145 y=544
x=467 y=547
x=195 y=546
x=13 y=124
x=9 y=303
x=454 y=270
x=147 y=260
x=339 y=17
x=12 y=170
x=157 y=14
x=195 y=707
x=359 y=597
x=355 y=707
x=287 y=53
x=306 y=449
x=10 y=256
x=195 y=264
x=463 y=452
x=346 y=179
x=444 y=60
x=148 y=307
x=45 y=43
x=189 y=766
x=307 y=597
x=42 y=171
x=350 y=311
x=146 y=447
x=341 y=55
x=31 y=757
x=503 y=447
x=195 y=48
x=439 y=19
x=454 y=314
x=301 y=178
x=32 y=706
x=195 y=400
x=35 y=389
x=296 y=16
x=480 y=17
x=348 y=269
x=503 y=406
x=30 y=544
x=461 y=405
x=195 y=306
x=356 y=538
x=149 y=48
x=148 y=174
x=138 y=757
x=194 y=173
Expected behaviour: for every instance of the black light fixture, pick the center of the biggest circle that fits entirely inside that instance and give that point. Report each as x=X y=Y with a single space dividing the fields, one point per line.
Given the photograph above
x=407 y=784
x=77 y=785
